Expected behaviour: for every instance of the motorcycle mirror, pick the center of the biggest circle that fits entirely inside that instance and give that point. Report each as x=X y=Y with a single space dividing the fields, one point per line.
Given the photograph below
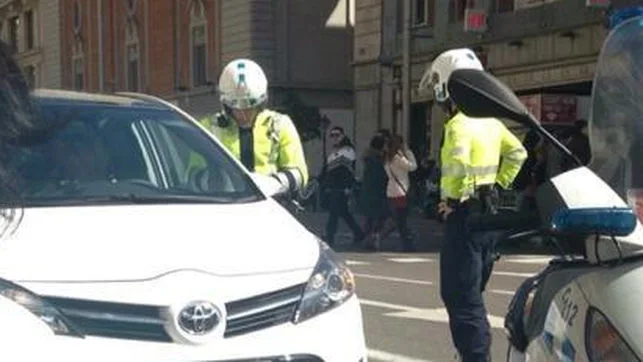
x=479 y=94
x=610 y=221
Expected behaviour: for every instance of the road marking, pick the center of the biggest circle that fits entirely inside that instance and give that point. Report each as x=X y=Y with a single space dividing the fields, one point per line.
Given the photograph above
x=410 y=260
x=356 y=262
x=392 y=279
x=421 y=282
x=503 y=292
x=532 y=260
x=427 y=314
x=386 y=356
x=514 y=274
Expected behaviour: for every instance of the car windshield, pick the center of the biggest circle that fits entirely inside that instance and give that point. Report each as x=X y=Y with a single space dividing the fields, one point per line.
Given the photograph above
x=616 y=119
x=102 y=153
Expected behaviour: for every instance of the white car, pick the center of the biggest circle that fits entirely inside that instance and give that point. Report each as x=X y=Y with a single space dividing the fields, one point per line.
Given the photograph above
x=143 y=239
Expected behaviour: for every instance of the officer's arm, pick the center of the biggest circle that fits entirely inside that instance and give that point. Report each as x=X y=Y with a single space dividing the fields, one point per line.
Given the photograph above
x=513 y=155
x=293 y=171
x=457 y=165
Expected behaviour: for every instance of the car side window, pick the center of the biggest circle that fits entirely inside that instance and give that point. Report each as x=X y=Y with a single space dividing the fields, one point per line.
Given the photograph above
x=186 y=166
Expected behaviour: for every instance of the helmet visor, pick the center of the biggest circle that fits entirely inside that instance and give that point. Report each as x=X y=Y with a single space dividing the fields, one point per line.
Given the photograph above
x=242 y=102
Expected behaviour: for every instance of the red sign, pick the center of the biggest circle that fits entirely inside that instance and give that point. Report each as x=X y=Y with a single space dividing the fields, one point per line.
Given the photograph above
x=475 y=20
x=598 y=3
x=552 y=108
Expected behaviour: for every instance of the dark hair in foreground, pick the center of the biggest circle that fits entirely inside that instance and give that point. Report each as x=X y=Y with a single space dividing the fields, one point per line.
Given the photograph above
x=18 y=122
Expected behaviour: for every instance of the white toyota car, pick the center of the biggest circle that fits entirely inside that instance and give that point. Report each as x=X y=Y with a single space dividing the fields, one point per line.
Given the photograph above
x=142 y=239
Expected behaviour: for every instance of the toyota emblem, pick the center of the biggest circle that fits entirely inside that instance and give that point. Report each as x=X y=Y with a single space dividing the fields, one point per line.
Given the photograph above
x=199 y=318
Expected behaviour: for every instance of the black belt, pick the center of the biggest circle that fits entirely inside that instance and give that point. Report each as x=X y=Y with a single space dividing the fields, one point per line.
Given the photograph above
x=481 y=199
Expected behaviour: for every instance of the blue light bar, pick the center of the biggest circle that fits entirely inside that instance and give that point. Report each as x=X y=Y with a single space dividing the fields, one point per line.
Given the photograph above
x=619 y=16
x=616 y=221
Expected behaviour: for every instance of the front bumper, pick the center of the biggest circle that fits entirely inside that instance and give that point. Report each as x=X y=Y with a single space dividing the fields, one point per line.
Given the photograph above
x=337 y=335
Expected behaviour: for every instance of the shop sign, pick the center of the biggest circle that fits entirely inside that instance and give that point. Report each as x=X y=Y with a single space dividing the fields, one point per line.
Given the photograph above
x=475 y=20
x=558 y=109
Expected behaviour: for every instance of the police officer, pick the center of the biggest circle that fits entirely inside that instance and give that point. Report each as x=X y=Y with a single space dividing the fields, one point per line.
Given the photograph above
x=265 y=141
x=470 y=168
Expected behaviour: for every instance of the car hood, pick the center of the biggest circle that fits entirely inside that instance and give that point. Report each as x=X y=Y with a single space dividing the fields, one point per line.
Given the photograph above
x=137 y=242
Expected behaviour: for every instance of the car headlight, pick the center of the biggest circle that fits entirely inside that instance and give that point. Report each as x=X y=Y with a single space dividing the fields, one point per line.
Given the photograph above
x=38 y=307
x=330 y=285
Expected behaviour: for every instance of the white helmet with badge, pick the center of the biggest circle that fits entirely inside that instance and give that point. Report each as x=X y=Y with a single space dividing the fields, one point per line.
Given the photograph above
x=441 y=68
x=243 y=85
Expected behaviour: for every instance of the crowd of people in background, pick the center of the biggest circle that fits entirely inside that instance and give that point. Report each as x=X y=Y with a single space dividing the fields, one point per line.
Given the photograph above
x=383 y=194
x=393 y=182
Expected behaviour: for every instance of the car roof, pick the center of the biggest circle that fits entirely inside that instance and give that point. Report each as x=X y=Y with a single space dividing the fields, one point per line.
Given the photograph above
x=58 y=96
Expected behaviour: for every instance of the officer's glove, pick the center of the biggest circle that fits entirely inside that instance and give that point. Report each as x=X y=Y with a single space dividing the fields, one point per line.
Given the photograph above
x=281 y=184
x=270 y=185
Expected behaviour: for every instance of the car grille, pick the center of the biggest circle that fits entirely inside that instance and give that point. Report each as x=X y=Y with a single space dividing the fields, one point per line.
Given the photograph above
x=115 y=320
x=144 y=322
x=262 y=311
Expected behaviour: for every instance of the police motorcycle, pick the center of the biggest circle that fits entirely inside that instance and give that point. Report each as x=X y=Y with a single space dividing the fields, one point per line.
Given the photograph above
x=586 y=304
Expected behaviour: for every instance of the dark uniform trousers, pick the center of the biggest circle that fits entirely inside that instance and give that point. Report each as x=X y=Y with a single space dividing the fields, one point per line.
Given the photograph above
x=466 y=261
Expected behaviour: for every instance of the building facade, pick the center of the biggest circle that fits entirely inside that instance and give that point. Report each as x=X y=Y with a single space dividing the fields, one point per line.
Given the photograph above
x=539 y=48
x=176 y=49
x=32 y=29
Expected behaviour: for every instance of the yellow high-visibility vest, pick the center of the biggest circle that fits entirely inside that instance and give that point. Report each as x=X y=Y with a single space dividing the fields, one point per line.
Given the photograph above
x=477 y=152
x=277 y=145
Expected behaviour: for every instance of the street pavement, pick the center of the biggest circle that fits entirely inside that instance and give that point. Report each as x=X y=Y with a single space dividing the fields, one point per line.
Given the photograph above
x=404 y=318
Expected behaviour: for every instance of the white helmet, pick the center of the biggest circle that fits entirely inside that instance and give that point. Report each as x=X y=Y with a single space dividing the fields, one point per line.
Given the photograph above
x=441 y=68
x=243 y=84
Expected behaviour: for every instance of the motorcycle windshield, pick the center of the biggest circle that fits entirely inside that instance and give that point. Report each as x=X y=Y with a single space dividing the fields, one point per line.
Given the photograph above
x=616 y=116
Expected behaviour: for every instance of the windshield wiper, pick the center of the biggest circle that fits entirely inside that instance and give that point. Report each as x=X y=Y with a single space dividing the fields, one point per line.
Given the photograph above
x=139 y=199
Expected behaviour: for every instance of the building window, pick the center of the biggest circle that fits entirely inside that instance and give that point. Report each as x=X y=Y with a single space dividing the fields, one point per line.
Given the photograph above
x=199 y=45
x=14 y=25
x=76 y=17
x=131 y=5
x=456 y=10
x=505 y=6
x=132 y=59
x=420 y=12
x=30 y=75
x=423 y=12
x=132 y=68
x=30 y=31
x=79 y=73
x=198 y=56
x=132 y=49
